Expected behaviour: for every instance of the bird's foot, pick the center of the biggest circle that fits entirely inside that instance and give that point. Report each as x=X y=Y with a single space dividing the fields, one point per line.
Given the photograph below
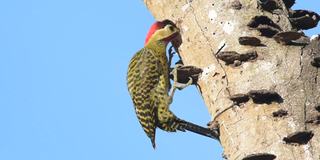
x=176 y=84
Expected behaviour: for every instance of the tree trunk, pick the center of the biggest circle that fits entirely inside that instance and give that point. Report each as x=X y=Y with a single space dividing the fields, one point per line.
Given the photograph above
x=259 y=76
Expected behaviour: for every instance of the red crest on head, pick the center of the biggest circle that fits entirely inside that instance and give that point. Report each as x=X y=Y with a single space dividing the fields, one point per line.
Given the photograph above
x=157 y=25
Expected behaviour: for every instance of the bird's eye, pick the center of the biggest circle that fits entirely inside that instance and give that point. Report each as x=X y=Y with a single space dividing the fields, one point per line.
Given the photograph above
x=171 y=28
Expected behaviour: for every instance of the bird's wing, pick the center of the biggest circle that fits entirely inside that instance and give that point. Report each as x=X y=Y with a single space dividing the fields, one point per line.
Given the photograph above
x=143 y=77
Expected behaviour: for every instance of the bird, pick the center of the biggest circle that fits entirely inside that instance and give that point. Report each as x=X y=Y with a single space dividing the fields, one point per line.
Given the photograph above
x=149 y=84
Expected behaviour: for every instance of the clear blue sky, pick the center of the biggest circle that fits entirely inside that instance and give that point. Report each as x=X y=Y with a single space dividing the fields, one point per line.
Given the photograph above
x=63 y=92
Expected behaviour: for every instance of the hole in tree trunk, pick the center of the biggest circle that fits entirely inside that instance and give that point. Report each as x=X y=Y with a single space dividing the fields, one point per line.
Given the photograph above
x=236 y=5
x=268 y=5
x=314 y=120
x=239 y=98
x=267 y=31
x=262 y=20
x=185 y=72
x=316 y=62
x=231 y=57
x=280 y=113
x=303 y=19
x=250 y=41
x=260 y=156
x=302 y=137
x=265 y=96
x=287 y=37
x=318 y=107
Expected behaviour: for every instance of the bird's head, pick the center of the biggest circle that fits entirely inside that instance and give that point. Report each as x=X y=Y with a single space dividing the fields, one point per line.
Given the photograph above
x=162 y=31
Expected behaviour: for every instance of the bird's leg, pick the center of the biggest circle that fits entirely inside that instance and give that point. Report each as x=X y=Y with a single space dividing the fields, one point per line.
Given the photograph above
x=176 y=84
x=171 y=53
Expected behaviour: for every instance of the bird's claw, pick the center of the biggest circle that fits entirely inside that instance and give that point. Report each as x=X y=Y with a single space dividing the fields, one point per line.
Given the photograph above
x=181 y=86
x=176 y=84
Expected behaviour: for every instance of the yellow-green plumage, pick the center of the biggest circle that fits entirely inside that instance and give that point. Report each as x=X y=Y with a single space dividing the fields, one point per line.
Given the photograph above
x=148 y=84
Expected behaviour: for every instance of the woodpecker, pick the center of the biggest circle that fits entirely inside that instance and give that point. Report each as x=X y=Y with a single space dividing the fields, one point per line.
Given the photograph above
x=148 y=84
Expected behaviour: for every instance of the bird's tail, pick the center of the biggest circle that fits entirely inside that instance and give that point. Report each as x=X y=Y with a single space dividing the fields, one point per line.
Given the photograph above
x=153 y=141
x=184 y=125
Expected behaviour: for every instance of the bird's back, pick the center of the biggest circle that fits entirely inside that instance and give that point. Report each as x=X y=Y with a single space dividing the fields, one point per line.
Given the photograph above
x=142 y=77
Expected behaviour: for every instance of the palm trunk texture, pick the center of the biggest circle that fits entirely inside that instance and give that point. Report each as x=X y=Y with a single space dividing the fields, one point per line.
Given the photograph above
x=259 y=77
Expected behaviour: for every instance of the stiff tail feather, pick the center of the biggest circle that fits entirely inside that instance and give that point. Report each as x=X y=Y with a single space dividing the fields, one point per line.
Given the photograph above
x=153 y=141
x=184 y=125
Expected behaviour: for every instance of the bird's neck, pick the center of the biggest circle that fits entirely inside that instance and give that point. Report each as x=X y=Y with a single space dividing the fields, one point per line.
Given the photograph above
x=159 y=47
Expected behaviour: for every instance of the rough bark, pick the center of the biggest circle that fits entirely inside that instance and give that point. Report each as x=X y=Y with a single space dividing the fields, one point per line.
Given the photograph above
x=260 y=78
